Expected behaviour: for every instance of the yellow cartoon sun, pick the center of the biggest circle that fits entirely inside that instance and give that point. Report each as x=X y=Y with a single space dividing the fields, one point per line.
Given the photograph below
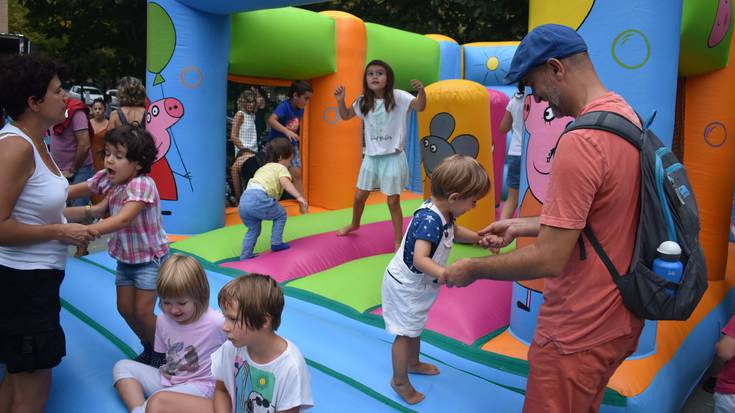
x=571 y=13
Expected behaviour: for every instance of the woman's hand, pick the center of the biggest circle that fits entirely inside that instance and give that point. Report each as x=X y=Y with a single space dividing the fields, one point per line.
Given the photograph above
x=76 y=234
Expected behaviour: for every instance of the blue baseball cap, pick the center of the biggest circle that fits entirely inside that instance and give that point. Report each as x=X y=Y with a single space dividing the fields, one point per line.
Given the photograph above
x=540 y=45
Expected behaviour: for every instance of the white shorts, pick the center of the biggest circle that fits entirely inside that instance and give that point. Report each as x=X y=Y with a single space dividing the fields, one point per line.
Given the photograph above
x=387 y=173
x=406 y=303
x=724 y=403
x=150 y=380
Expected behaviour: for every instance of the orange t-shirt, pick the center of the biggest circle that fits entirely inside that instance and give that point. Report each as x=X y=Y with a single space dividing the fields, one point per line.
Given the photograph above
x=595 y=178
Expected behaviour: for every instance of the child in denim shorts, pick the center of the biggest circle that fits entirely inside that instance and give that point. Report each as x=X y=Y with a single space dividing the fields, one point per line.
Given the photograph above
x=138 y=242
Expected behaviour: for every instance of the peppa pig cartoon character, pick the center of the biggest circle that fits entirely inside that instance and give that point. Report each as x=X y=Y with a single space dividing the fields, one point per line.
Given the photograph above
x=544 y=130
x=161 y=115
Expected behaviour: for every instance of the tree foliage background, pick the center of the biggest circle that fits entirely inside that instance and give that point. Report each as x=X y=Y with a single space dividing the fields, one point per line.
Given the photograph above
x=463 y=20
x=103 y=40
x=100 y=40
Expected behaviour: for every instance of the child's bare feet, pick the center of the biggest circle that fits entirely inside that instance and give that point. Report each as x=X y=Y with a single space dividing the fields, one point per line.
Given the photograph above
x=407 y=392
x=424 y=368
x=346 y=230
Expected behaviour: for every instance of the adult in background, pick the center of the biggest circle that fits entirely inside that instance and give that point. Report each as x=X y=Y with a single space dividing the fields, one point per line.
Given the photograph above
x=131 y=98
x=584 y=330
x=99 y=125
x=33 y=232
x=71 y=140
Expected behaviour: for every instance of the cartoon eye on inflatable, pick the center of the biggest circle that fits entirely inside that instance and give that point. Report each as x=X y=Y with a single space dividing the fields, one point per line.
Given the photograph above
x=426 y=143
x=154 y=111
x=548 y=114
x=432 y=148
x=148 y=117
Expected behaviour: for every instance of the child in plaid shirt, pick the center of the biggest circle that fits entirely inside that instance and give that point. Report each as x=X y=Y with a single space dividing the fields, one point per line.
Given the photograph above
x=138 y=241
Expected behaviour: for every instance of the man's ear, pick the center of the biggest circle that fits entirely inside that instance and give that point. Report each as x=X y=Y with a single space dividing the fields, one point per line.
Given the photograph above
x=453 y=197
x=556 y=66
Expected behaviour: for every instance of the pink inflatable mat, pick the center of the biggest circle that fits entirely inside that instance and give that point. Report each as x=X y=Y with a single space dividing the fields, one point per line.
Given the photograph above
x=316 y=253
x=467 y=314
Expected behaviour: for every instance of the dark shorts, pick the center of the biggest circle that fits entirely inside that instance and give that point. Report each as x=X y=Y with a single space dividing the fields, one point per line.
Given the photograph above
x=514 y=171
x=31 y=337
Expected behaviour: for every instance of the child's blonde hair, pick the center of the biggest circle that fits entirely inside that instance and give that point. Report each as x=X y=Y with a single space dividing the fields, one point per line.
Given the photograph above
x=462 y=175
x=256 y=296
x=182 y=276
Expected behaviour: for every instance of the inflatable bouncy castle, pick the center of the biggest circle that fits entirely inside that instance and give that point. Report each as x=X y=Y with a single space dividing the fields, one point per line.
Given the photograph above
x=668 y=57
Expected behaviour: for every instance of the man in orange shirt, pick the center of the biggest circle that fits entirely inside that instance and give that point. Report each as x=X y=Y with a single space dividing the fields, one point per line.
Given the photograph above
x=584 y=331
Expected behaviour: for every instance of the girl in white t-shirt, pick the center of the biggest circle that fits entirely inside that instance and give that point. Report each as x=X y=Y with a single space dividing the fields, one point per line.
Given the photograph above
x=384 y=112
x=188 y=332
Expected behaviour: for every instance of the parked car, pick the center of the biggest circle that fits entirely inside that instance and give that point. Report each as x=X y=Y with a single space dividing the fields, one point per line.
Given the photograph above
x=112 y=98
x=90 y=93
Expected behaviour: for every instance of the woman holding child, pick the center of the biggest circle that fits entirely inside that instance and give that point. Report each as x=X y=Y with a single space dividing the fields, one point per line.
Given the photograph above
x=34 y=234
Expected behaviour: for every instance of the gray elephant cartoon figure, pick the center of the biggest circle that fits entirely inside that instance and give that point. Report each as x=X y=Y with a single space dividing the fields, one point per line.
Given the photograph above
x=436 y=146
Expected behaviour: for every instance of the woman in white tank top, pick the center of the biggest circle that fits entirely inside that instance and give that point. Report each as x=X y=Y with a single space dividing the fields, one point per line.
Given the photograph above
x=34 y=233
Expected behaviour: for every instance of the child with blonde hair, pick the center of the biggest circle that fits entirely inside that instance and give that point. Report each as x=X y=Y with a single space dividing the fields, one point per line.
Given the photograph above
x=256 y=369
x=188 y=331
x=410 y=282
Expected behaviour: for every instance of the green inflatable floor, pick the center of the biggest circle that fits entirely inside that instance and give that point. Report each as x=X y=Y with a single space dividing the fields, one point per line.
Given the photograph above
x=356 y=284
x=225 y=243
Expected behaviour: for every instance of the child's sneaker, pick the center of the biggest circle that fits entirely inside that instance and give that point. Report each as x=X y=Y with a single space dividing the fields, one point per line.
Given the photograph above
x=157 y=359
x=145 y=356
x=248 y=257
x=280 y=247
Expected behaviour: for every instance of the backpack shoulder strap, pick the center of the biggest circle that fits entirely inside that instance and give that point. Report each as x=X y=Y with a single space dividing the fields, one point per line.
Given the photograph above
x=601 y=252
x=620 y=126
x=608 y=122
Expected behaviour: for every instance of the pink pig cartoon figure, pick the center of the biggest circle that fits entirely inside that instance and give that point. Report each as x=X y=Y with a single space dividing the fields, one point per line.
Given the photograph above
x=161 y=115
x=544 y=131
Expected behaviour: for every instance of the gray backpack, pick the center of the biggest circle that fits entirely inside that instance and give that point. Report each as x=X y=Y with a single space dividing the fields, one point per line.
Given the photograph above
x=668 y=212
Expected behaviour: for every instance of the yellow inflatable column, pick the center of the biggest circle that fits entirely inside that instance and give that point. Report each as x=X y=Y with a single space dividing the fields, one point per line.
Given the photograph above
x=335 y=147
x=457 y=120
x=709 y=156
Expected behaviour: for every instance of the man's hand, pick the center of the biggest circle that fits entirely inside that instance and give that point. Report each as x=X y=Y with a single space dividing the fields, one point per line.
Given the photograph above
x=498 y=234
x=458 y=274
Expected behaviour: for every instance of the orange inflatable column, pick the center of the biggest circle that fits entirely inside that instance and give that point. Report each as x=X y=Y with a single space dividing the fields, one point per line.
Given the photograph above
x=709 y=156
x=335 y=146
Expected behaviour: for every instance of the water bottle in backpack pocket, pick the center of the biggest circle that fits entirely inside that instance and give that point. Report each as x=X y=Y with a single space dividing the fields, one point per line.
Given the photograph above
x=668 y=265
